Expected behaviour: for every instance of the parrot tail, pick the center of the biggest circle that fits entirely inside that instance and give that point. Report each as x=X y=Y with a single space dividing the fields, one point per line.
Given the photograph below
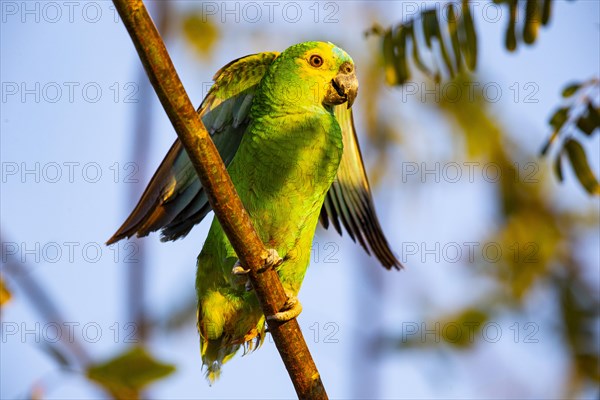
x=214 y=355
x=216 y=352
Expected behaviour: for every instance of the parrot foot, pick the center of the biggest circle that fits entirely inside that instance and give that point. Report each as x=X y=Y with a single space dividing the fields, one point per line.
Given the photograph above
x=290 y=310
x=273 y=260
x=242 y=274
x=238 y=269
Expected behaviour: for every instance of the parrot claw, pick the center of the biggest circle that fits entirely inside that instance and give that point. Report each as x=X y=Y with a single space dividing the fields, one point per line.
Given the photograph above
x=273 y=260
x=290 y=310
x=238 y=269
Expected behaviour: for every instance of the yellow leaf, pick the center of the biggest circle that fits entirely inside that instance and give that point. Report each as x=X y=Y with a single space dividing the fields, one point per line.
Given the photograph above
x=201 y=32
x=5 y=295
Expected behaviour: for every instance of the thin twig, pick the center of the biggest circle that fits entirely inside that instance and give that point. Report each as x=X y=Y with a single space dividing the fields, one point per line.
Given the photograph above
x=43 y=303
x=222 y=195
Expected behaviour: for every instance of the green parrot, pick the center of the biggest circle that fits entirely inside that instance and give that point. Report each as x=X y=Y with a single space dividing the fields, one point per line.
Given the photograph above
x=283 y=125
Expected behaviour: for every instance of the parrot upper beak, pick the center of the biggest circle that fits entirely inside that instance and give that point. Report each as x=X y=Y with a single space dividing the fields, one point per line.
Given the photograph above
x=344 y=87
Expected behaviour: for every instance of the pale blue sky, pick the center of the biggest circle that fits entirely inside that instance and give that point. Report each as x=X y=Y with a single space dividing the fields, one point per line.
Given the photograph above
x=95 y=136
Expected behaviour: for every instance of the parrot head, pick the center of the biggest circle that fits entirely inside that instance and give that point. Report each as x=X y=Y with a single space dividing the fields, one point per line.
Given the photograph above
x=316 y=73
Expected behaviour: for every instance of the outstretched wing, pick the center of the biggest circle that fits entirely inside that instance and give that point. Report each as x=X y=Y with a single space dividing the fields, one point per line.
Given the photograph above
x=174 y=201
x=349 y=199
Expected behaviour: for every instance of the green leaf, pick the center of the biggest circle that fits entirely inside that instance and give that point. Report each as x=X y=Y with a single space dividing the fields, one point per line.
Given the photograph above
x=400 y=60
x=446 y=57
x=558 y=167
x=532 y=21
x=126 y=375
x=557 y=121
x=431 y=30
x=546 y=11
x=559 y=118
x=589 y=121
x=547 y=145
x=511 y=30
x=594 y=113
x=570 y=89
x=410 y=31
x=391 y=75
x=453 y=31
x=430 y=26
x=461 y=329
x=470 y=42
x=582 y=169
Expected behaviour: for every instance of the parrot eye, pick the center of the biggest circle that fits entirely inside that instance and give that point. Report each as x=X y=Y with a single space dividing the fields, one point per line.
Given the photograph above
x=316 y=61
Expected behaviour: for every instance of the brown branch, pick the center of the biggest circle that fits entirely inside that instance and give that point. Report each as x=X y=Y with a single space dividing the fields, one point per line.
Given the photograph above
x=221 y=194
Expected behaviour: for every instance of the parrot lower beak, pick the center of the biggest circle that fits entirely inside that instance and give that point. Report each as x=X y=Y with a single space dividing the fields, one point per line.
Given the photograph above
x=343 y=88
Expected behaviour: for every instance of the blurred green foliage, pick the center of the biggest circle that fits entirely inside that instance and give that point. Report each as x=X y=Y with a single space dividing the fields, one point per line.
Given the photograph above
x=542 y=240
x=126 y=375
x=454 y=30
x=542 y=237
x=414 y=39
x=577 y=120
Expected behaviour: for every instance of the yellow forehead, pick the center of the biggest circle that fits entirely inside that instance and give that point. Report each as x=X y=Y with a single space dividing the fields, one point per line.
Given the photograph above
x=332 y=55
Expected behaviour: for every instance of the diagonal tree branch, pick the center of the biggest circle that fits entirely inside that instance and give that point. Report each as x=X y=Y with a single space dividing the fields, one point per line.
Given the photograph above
x=222 y=195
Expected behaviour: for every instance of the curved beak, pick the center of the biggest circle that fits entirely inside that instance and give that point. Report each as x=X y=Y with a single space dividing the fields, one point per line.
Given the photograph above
x=344 y=87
